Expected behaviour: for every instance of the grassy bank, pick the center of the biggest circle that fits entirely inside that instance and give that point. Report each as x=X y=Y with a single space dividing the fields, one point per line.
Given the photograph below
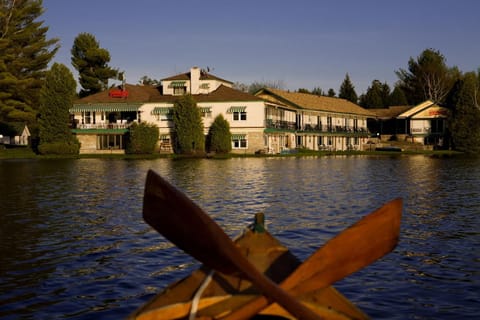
x=17 y=153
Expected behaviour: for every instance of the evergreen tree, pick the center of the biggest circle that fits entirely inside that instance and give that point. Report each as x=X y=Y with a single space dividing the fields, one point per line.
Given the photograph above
x=374 y=98
x=397 y=97
x=427 y=78
x=56 y=97
x=347 y=90
x=188 y=126
x=25 y=54
x=331 y=93
x=465 y=116
x=317 y=91
x=91 y=62
x=385 y=93
x=219 y=138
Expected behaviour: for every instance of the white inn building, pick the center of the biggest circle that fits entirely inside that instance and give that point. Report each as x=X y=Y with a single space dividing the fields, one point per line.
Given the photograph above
x=272 y=121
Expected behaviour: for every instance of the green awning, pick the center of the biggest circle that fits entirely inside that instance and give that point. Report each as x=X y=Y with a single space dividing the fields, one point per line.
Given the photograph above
x=239 y=136
x=205 y=109
x=177 y=84
x=162 y=111
x=236 y=109
x=105 y=107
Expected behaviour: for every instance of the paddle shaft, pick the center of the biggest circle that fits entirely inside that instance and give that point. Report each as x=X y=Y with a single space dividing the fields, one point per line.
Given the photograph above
x=356 y=247
x=184 y=223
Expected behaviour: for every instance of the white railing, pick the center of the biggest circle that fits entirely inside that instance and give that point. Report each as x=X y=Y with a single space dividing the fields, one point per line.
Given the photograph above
x=420 y=130
x=117 y=125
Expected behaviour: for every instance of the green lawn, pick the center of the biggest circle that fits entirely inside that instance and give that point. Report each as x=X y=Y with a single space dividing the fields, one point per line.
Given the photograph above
x=13 y=153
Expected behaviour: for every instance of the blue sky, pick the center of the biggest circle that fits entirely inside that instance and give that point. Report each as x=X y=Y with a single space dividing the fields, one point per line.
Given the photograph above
x=301 y=43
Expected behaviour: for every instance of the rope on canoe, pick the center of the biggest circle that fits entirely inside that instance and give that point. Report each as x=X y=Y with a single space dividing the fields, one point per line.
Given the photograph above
x=198 y=295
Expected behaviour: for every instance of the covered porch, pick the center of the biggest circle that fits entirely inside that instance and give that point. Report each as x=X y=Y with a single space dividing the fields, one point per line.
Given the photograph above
x=102 y=127
x=105 y=115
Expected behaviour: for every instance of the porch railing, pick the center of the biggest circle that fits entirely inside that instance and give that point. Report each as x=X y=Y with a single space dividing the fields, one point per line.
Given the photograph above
x=281 y=124
x=287 y=125
x=118 y=125
x=332 y=128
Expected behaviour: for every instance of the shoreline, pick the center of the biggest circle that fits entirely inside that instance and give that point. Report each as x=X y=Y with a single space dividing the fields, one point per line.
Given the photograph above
x=27 y=153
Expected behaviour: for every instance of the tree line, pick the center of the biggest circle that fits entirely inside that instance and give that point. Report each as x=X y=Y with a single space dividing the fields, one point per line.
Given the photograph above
x=33 y=94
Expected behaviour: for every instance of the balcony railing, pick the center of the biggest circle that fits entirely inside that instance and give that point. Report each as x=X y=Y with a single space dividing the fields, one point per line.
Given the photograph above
x=281 y=124
x=286 y=125
x=115 y=125
x=426 y=130
x=331 y=128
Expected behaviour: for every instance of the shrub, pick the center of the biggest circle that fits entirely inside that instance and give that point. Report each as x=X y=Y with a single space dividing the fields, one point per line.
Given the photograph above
x=219 y=138
x=59 y=148
x=188 y=136
x=142 y=138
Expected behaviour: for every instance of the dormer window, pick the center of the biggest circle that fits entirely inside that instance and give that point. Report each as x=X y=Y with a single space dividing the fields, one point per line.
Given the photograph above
x=179 y=87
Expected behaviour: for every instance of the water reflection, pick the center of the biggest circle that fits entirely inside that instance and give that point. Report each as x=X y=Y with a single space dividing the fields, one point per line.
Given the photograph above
x=73 y=244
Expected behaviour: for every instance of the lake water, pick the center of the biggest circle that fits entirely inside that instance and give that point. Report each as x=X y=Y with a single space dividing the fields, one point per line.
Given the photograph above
x=73 y=243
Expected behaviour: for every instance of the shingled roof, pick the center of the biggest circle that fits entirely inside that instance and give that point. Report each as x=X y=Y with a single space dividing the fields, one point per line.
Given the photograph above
x=390 y=112
x=136 y=93
x=314 y=102
x=187 y=76
x=146 y=94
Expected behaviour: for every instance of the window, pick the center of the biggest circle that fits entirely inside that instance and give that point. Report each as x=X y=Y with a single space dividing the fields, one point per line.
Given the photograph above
x=106 y=142
x=320 y=140
x=206 y=112
x=179 y=87
x=162 y=113
x=179 y=91
x=299 y=141
x=239 y=115
x=239 y=141
x=329 y=123
x=165 y=117
x=240 y=144
x=87 y=117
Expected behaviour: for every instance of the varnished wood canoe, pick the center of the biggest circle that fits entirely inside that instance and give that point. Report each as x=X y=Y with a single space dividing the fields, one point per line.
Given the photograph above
x=207 y=294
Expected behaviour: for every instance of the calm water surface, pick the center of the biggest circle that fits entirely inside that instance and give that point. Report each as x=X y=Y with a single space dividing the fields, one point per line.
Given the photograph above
x=73 y=243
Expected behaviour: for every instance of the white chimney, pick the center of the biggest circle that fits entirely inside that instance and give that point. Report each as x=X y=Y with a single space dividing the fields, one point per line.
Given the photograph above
x=194 y=80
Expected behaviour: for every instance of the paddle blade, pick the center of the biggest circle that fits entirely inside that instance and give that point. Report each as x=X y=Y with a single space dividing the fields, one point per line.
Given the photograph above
x=356 y=247
x=180 y=220
x=185 y=224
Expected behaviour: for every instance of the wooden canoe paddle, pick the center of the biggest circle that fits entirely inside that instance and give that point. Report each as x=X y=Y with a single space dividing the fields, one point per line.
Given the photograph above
x=354 y=248
x=181 y=221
